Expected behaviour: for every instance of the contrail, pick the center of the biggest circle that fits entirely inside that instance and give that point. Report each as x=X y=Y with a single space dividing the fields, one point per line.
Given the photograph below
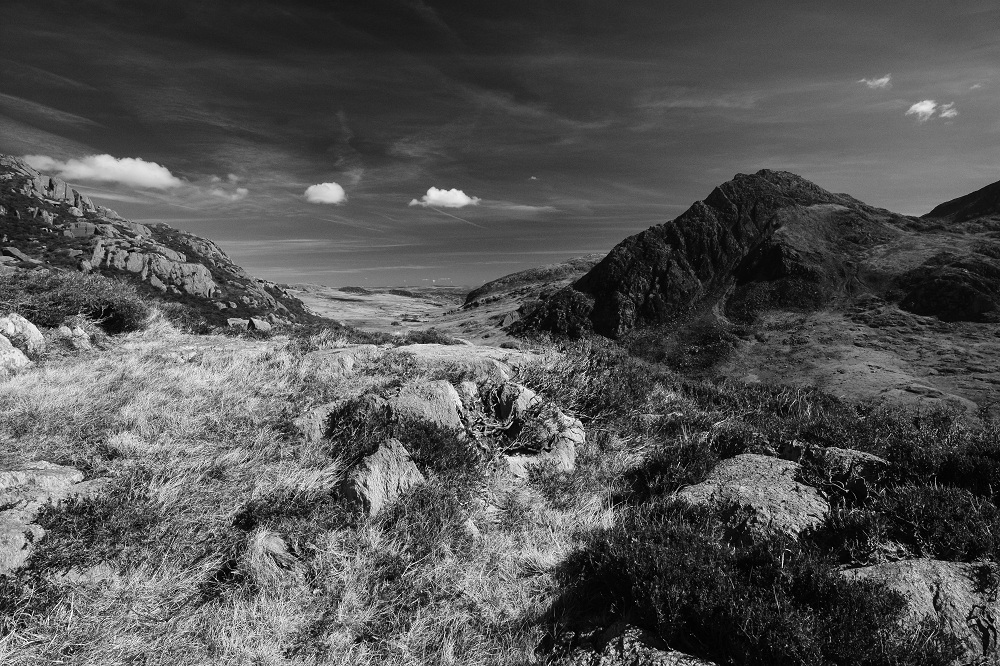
x=478 y=226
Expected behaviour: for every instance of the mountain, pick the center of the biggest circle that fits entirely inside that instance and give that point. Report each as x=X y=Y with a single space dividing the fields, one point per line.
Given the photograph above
x=775 y=240
x=46 y=223
x=984 y=203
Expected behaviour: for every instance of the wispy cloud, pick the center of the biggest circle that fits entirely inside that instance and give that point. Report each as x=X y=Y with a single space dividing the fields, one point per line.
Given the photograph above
x=729 y=101
x=325 y=193
x=133 y=171
x=238 y=194
x=446 y=199
x=928 y=108
x=880 y=82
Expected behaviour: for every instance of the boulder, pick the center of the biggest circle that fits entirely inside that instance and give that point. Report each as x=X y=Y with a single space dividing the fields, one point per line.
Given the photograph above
x=758 y=497
x=259 y=325
x=551 y=439
x=623 y=644
x=236 y=322
x=23 y=492
x=22 y=333
x=513 y=402
x=434 y=401
x=12 y=359
x=948 y=591
x=380 y=478
x=331 y=363
x=314 y=424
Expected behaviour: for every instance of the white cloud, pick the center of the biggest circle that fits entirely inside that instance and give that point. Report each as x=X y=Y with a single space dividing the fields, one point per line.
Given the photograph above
x=240 y=193
x=325 y=193
x=948 y=111
x=133 y=171
x=975 y=86
x=923 y=110
x=446 y=199
x=881 y=82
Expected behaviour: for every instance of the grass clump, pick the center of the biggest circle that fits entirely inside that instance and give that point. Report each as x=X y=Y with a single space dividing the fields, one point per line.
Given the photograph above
x=48 y=298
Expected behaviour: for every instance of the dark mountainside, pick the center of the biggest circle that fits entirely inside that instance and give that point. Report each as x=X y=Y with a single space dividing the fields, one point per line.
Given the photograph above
x=775 y=240
x=983 y=203
x=44 y=223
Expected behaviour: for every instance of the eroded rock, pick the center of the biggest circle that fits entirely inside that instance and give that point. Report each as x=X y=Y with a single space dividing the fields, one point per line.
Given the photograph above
x=12 y=359
x=757 y=498
x=436 y=402
x=950 y=591
x=380 y=478
x=22 y=333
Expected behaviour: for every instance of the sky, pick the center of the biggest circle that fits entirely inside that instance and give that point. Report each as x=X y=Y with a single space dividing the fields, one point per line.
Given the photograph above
x=409 y=142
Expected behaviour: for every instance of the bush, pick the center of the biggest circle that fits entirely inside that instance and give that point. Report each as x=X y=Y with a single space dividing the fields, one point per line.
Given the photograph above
x=49 y=298
x=664 y=568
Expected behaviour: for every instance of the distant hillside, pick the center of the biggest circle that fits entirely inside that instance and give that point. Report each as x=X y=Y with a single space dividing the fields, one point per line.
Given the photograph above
x=46 y=223
x=775 y=240
x=532 y=281
x=983 y=203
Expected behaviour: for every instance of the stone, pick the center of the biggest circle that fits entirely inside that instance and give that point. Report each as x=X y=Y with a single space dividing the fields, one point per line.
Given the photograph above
x=951 y=592
x=757 y=498
x=380 y=478
x=22 y=333
x=12 y=359
x=236 y=322
x=259 y=325
x=551 y=439
x=481 y=363
x=326 y=364
x=23 y=492
x=17 y=254
x=623 y=644
x=468 y=393
x=845 y=465
x=313 y=424
x=435 y=402
x=514 y=401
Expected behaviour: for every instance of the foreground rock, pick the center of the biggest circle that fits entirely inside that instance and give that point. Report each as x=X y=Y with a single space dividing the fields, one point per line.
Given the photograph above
x=952 y=592
x=380 y=478
x=625 y=645
x=22 y=333
x=549 y=440
x=434 y=402
x=23 y=492
x=758 y=498
x=326 y=364
x=12 y=359
x=479 y=363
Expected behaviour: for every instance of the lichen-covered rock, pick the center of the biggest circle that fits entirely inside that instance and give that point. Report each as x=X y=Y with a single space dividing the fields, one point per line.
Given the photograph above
x=22 y=333
x=435 y=402
x=23 y=492
x=12 y=359
x=757 y=498
x=952 y=592
x=380 y=478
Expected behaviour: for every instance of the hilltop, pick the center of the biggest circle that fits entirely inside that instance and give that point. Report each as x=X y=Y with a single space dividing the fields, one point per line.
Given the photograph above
x=46 y=224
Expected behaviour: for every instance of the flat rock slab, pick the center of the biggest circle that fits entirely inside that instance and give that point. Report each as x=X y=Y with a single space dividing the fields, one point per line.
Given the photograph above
x=481 y=363
x=331 y=363
x=758 y=498
x=23 y=492
x=950 y=591
x=380 y=478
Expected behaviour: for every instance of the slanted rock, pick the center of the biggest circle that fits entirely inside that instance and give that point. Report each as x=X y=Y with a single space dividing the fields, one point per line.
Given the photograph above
x=626 y=645
x=380 y=478
x=22 y=333
x=236 y=322
x=23 y=492
x=436 y=402
x=513 y=402
x=12 y=359
x=481 y=363
x=314 y=424
x=758 y=497
x=259 y=325
x=951 y=592
x=325 y=364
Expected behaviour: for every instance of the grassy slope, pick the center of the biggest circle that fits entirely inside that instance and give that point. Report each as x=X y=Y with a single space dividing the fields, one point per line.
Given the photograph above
x=223 y=543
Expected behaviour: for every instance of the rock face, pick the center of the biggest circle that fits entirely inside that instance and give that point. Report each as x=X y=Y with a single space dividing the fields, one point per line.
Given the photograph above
x=950 y=591
x=23 y=492
x=380 y=478
x=663 y=272
x=22 y=333
x=57 y=226
x=12 y=359
x=758 y=497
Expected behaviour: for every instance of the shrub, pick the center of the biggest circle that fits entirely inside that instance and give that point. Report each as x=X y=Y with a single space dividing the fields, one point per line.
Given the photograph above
x=428 y=518
x=49 y=298
x=664 y=568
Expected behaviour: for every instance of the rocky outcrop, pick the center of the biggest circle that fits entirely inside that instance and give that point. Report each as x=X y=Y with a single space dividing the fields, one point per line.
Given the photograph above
x=954 y=287
x=952 y=592
x=380 y=478
x=624 y=645
x=758 y=498
x=326 y=364
x=982 y=203
x=12 y=359
x=479 y=363
x=434 y=402
x=22 y=333
x=56 y=225
x=23 y=492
